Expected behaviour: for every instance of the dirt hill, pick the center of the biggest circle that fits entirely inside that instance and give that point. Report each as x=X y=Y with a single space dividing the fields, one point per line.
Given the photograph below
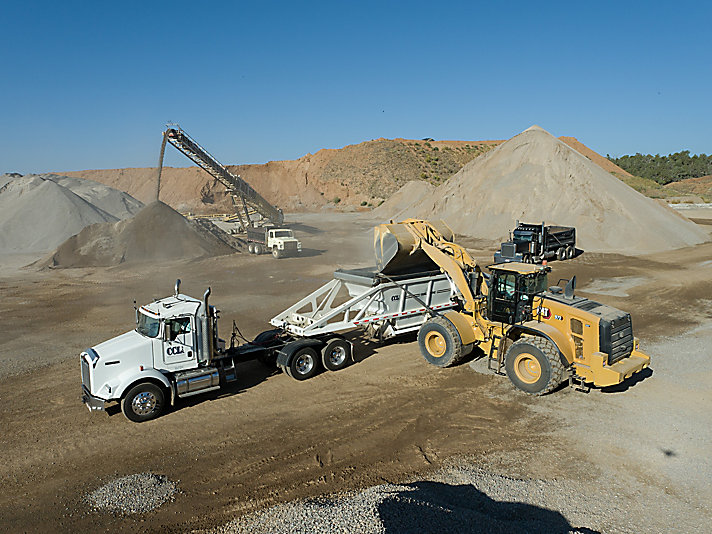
x=699 y=187
x=356 y=175
x=157 y=232
x=535 y=177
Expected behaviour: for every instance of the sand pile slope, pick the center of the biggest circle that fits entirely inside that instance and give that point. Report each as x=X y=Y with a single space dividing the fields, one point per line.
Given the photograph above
x=117 y=203
x=535 y=177
x=157 y=232
x=605 y=163
x=410 y=193
x=37 y=213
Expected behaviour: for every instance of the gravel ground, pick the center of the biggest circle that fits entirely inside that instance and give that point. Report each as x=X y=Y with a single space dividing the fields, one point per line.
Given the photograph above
x=461 y=498
x=132 y=494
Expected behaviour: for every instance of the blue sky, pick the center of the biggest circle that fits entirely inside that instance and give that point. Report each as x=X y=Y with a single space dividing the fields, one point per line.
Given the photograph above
x=91 y=84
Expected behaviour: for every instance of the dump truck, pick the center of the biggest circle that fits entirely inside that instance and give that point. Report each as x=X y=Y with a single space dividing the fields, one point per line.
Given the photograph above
x=534 y=243
x=541 y=336
x=280 y=242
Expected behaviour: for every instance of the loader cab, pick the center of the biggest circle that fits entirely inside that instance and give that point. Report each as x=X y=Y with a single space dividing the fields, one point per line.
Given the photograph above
x=512 y=287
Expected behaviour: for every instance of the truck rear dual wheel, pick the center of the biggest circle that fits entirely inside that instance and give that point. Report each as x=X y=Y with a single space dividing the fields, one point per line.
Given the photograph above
x=336 y=354
x=533 y=365
x=440 y=342
x=257 y=249
x=570 y=252
x=143 y=402
x=251 y=248
x=561 y=253
x=304 y=364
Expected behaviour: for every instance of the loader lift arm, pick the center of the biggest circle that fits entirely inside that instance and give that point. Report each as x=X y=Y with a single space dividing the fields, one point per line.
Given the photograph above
x=435 y=240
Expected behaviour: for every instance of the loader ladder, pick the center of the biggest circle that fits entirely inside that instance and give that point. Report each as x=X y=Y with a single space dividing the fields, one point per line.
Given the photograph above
x=249 y=199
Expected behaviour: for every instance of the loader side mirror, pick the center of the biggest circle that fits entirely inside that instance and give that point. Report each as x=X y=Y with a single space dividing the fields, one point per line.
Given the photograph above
x=570 y=286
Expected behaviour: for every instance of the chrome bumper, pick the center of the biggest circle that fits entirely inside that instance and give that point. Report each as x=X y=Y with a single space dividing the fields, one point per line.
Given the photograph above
x=93 y=403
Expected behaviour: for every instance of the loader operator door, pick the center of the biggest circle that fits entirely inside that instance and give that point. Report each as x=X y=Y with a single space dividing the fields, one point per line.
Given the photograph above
x=503 y=298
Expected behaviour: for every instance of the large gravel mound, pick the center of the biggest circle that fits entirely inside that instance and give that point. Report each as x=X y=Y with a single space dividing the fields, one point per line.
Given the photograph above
x=157 y=232
x=37 y=214
x=535 y=177
x=405 y=196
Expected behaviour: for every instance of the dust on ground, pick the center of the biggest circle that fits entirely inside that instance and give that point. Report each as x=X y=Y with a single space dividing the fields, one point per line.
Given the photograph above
x=389 y=418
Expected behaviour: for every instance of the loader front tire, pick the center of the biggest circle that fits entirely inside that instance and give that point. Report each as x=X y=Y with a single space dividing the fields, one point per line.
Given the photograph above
x=533 y=365
x=440 y=342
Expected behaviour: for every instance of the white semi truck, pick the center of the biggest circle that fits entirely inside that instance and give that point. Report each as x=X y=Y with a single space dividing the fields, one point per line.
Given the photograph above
x=175 y=350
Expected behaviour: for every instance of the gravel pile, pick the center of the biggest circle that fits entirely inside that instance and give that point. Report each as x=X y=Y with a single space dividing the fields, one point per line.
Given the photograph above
x=461 y=498
x=132 y=494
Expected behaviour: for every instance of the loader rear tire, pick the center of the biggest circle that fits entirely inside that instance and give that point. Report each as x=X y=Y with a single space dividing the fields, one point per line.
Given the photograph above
x=533 y=365
x=440 y=342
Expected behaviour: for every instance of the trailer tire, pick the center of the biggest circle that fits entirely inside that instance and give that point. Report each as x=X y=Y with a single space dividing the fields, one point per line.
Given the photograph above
x=440 y=342
x=143 y=402
x=276 y=253
x=258 y=249
x=303 y=364
x=336 y=354
x=561 y=253
x=533 y=365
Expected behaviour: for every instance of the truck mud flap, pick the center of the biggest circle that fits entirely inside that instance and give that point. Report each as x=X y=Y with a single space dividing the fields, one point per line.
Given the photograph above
x=284 y=355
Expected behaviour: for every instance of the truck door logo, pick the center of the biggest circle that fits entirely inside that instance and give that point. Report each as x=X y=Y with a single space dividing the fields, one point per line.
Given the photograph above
x=172 y=351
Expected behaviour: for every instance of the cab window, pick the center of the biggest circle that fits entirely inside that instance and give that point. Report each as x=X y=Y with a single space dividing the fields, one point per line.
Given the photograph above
x=176 y=327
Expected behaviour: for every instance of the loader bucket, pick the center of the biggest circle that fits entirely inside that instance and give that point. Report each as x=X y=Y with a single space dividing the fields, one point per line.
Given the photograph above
x=397 y=250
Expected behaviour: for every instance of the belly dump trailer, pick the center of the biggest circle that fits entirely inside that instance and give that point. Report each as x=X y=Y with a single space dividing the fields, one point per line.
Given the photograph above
x=175 y=350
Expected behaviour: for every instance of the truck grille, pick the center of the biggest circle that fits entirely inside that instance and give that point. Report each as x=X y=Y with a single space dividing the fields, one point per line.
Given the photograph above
x=86 y=377
x=290 y=246
x=616 y=337
x=508 y=250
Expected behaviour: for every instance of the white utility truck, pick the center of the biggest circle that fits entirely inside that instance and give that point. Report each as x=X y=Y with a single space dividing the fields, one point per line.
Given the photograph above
x=175 y=350
x=279 y=241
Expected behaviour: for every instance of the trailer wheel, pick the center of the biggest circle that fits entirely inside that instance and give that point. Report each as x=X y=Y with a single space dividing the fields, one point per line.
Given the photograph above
x=440 y=342
x=304 y=364
x=276 y=253
x=143 y=402
x=336 y=355
x=570 y=252
x=533 y=365
x=561 y=253
x=258 y=249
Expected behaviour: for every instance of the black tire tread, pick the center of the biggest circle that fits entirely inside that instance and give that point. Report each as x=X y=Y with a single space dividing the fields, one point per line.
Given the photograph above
x=457 y=355
x=551 y=352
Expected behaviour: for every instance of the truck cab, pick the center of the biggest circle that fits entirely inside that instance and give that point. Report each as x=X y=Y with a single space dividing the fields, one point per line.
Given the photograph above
x=280 y=242
x=171 y=352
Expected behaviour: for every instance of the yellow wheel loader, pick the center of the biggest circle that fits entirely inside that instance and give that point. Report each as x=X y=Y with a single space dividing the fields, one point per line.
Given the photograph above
x=541 y=336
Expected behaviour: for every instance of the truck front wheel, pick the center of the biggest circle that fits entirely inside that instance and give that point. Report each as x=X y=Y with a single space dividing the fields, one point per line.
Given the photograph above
x=276 y=253
x=143 y=402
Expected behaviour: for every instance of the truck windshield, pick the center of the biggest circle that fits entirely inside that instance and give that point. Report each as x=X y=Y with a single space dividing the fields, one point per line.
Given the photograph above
x=283 y=233
x=521 y=236
x=147 y=326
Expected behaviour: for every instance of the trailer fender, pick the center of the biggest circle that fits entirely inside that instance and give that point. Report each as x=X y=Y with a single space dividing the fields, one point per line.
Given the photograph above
x=464 y=326
x=284 y=355
x=127 y=380
x=547 y=331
